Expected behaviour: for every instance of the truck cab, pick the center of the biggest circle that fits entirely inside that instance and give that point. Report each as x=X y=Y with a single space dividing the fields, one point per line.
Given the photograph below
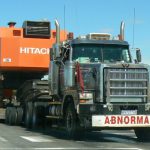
x=98 y=84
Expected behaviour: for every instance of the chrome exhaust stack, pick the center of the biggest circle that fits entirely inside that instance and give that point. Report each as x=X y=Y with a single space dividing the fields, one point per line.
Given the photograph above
x=121 y=36
x=57 y=31
x=54 y=66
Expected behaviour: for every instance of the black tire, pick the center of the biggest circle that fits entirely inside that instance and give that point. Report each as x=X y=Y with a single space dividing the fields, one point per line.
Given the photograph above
x=143 y=134
x=28 y=115
x=7 y=115
x=12 y=116
x=35 y=117
x=19 y=115
x=38 y=116
x=71 y=122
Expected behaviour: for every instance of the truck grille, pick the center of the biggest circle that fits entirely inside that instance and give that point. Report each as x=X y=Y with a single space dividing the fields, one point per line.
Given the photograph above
x=126 y=83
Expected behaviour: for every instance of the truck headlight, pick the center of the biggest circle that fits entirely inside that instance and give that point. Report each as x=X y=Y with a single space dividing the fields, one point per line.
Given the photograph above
x=85 y=97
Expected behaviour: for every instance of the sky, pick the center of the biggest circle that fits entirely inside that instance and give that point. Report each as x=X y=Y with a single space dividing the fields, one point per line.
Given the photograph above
x=87 y=16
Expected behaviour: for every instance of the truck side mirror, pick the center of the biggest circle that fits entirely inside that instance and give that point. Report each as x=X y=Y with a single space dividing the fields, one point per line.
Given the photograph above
x=138 y=55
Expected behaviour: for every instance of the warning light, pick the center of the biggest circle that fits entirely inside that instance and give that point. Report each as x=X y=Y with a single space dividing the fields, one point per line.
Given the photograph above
x=11 y=24
x=70 y=36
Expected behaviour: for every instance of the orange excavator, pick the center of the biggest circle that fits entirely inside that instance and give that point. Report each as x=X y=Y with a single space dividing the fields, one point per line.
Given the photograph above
x=24 y=55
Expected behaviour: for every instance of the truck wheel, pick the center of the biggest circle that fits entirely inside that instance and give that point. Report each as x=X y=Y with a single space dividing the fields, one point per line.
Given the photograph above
x=19 y=115
x=143 y=134
x=71 y=121
x=7 y=115
x=38 y=116
x=12 y=116
x=28 y=115
x=35 y=117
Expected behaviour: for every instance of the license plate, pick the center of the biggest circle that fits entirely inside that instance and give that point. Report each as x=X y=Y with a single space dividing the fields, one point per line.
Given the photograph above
x=129 y=112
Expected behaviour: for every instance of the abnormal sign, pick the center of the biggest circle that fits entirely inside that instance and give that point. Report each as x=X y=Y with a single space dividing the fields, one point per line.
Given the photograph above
x=120 y=120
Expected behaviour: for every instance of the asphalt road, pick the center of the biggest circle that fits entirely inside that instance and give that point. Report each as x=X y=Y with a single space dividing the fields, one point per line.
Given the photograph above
x=18 y=138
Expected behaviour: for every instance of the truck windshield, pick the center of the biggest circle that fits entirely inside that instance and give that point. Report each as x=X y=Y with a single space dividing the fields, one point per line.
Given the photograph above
x=100 y=53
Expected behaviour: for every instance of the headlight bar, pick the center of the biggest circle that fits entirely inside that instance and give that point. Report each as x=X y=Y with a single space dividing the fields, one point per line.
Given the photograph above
x=86 y=96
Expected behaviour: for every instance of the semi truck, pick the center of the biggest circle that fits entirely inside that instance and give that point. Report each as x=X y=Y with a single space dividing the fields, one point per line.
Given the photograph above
x=24 y=55
x=93 y=84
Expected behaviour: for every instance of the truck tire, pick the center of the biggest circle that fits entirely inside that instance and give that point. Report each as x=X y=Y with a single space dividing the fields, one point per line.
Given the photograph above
x=71 y=122
x=12 y=116
x=143 y=134
x=7 y=115
x=35 y=117
x=38 y=116
x=19 y=115
x=28 y=115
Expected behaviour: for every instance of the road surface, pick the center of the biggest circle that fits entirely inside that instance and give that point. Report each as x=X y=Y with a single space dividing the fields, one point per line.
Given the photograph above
x=19 y=138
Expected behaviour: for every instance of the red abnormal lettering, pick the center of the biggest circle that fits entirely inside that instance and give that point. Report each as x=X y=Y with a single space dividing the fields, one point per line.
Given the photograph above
x=107 y=120
x=126 y=120
x=132 y=119
x=146 y=121
x=139 y=119
x=113 y=119
x=120 y=120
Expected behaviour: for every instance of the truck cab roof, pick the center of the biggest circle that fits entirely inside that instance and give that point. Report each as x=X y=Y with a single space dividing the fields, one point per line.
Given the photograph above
x=105 y=42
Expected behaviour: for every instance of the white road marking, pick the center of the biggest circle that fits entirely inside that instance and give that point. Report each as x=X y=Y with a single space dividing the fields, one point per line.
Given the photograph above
x=71 y=148
x=123 y=133
x=131 y=132
x=118 y=133
x=74 y=148
x=118 y=148
x=36 y=139
x=3 y=139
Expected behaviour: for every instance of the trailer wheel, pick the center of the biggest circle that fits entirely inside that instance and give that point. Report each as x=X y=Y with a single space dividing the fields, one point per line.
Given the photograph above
x=12 y=116
x=7 y=115
x=143 y=134
x=71 y=121
x=38 y=116
x=28 y=115
x=35 y=117
x=19 y=115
